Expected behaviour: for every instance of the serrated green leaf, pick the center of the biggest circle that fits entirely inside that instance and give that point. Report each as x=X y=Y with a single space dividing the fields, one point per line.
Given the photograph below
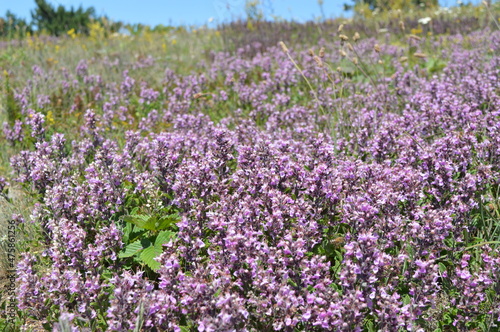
x=164 y=237
x=148 y=255
x=131 y=249
x=127 y=230
x=152 y=223
x=142 y=221
x=369 y=325
x=165 y=222
x=136 y=219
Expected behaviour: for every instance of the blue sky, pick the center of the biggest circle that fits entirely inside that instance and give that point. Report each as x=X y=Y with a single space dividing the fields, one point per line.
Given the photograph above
x=190 y=12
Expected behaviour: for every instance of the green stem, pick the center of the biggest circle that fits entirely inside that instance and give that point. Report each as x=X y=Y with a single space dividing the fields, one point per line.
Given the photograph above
x=471 y=247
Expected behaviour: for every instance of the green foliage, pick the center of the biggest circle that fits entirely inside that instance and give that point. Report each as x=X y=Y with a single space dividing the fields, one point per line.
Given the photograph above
x=145 y=232
x=390 y=4
x=12 y=108
x=145 y=246
x=152 y=223
x=12 y=26
x=58 y=21
x=253 y=10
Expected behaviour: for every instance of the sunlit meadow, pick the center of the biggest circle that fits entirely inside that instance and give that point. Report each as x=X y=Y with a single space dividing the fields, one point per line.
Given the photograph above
x=341 y=175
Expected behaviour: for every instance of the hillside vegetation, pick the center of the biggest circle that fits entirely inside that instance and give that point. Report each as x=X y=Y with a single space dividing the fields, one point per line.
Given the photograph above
x=341 y=175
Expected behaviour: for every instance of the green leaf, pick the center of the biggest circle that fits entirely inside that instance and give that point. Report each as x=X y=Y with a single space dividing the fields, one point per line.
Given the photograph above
x=164 y=237
x=370 y=326
x=152 y=223
x=447 y=319
x=167 y=221
x=483 y=326
x=217 y=293
x=127 y=184
x=141 y=221
x=131 y=249
x=127 y=230
x=107 y=274
x=148 y=256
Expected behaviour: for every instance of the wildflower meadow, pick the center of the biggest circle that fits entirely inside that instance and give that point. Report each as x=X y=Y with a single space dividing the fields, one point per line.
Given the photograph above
x=274 y=176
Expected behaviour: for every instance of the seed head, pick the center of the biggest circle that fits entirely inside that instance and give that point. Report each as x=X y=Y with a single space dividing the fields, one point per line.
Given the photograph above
x=402 y=25
x=420 y=55
x=343 y=37
x=341 y=27
x=318 y=61
x=343 y=53
x=349 y=46
x=377 y=48
x=415 y=37
x=311 y=52
x=283 y=46
x=356 y=37
x=403 y=59
x=322 y=52
x=355 y=60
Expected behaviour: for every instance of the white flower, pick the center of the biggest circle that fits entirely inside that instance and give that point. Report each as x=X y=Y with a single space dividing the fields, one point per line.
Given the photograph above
x=424 y=20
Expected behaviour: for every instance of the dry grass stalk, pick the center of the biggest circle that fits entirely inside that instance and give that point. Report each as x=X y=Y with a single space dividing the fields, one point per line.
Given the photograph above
x=322 y=52
x=287 y=52
x=318 y=61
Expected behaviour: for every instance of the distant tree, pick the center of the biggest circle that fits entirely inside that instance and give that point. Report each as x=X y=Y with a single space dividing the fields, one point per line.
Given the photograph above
x=110 y=25
x=390 y=4
x=12 y=26
x=58 y=21
x=254 y=10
